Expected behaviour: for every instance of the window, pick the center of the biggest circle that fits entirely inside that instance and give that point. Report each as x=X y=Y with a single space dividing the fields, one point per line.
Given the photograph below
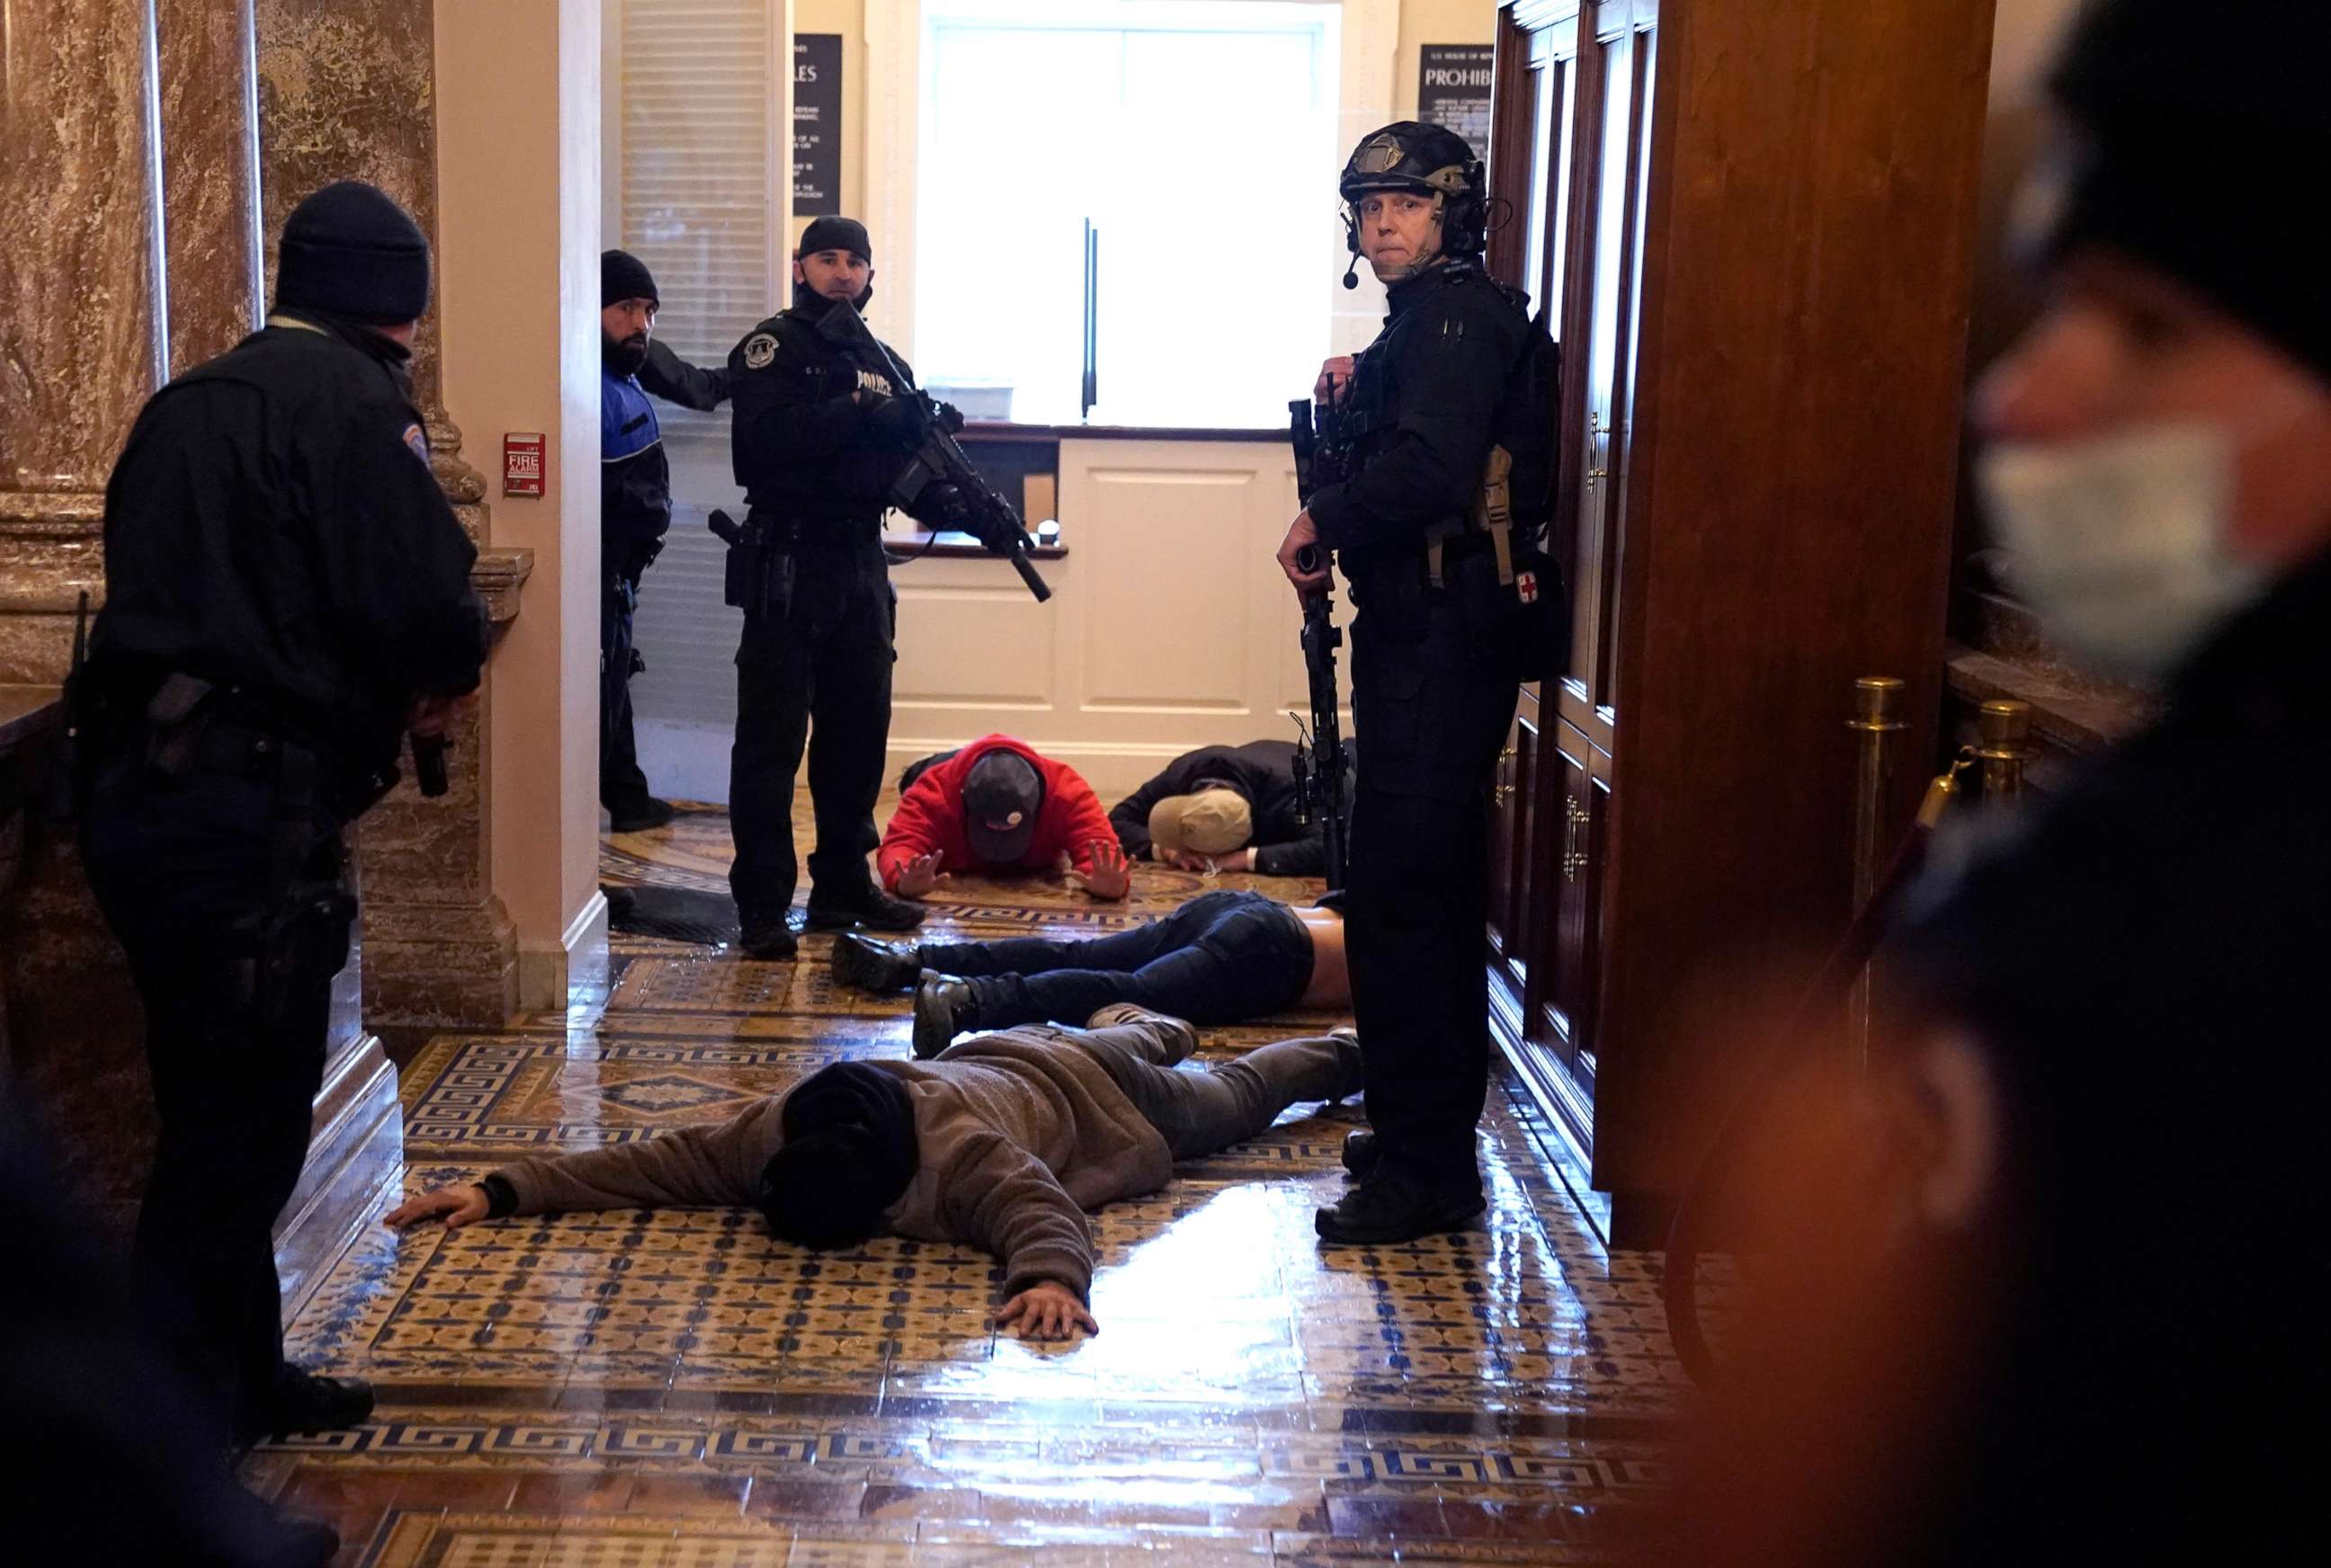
x=1193 y=142
x=689 y=115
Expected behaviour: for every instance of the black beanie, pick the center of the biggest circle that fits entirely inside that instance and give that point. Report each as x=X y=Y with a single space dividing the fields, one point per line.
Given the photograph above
x=623 y=276
x=2185 y=156
x=835 y=234
x=351 y=252
x=849 y=1152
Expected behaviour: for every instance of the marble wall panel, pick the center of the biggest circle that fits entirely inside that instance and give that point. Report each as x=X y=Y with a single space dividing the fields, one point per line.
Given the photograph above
x=78 y=174
x=347 y=91
x=208 y=89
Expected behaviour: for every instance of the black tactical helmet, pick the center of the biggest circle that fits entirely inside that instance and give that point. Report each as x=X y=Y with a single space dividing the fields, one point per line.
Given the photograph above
x=1427 y=160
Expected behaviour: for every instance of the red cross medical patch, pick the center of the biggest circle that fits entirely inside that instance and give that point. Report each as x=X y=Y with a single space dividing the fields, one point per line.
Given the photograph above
x=1526 y=585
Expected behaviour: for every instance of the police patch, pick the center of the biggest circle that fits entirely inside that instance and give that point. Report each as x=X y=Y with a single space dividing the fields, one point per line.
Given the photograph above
x=416 y=442
x=759 y=349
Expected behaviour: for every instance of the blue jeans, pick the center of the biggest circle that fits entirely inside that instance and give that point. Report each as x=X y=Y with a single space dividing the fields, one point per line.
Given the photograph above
x=1220 y=957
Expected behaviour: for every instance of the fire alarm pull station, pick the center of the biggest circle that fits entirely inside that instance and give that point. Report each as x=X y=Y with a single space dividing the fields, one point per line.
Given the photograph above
x=522 y=463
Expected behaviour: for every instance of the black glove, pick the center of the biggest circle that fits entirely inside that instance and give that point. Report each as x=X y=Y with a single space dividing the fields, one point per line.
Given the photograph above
x=949 y=416
x=895 y=421
x=942 y=507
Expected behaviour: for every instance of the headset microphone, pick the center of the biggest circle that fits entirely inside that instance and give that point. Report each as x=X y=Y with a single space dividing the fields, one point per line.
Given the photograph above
x=1351 y=274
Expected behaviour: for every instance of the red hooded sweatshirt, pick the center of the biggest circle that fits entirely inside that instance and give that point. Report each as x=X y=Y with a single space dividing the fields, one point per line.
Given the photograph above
x=931 y=817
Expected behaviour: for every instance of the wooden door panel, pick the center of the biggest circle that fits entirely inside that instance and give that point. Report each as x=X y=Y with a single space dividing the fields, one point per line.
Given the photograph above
x=1564 y=1018
x=1513 y=889
x=1602 y=276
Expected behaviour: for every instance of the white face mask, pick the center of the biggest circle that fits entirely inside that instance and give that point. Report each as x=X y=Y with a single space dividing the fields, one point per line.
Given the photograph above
x=2118 y=544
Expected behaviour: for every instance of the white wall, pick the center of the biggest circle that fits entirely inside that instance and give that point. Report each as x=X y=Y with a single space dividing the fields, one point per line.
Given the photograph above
x=518 y=152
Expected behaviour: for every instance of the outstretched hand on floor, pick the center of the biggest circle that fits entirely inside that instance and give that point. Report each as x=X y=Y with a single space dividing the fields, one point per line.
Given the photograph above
x=1112 y=877
x=457 y=1205
x=922 y=874
x=1047 y=1311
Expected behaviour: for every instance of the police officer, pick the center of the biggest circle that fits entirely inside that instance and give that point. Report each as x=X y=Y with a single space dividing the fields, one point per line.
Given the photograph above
x=1436 y=660
x=287 y=593
x=2140 y=969
x=634 y=509
x=820 y=440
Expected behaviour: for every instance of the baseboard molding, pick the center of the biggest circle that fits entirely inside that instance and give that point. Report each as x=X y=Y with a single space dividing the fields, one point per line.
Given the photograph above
x=573 y=973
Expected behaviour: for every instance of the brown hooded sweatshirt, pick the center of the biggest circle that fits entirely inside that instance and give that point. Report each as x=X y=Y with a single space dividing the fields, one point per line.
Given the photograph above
x=1020 y=1133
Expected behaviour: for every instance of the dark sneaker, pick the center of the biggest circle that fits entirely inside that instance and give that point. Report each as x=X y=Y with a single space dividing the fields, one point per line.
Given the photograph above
x=1360 y=1152
x=639 y=817
x=306 y=1401
x=879 y=967
x=1390 y=1206
x=869 y=906
x=943 y=1009
x=762 y=937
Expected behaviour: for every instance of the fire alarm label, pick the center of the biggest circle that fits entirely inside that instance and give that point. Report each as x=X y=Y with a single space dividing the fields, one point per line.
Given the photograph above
x=522 y=463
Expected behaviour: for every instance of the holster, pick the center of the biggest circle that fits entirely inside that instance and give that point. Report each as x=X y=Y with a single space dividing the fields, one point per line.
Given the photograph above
x=175 y=717
x=757 y=577
x=302 y=935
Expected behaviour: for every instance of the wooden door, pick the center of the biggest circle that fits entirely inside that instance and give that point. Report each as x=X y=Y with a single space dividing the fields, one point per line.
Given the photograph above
x=1563 y=1006
x=1516 y=881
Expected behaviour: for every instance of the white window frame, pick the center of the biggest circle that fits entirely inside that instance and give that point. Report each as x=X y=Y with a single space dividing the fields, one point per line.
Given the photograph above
x=894 y=72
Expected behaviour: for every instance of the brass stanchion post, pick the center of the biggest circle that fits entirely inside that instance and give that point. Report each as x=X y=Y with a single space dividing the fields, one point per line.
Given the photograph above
x=2004 y=737
x=1877 y=717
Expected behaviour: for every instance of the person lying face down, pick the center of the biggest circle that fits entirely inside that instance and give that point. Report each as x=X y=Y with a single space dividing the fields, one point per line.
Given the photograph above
x=1225 y=808
x=1001 y=1143
x=1223 y=957
x=998 y=804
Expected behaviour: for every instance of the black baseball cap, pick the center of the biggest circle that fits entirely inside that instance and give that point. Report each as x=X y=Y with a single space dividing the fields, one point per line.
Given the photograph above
x=1001 y=793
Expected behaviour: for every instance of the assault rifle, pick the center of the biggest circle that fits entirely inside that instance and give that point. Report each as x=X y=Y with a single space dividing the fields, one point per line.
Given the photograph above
x=938 y=459
x=1321 y=764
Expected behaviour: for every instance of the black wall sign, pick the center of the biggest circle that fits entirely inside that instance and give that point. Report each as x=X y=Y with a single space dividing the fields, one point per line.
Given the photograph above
x=1452 y=91
x=817 y=124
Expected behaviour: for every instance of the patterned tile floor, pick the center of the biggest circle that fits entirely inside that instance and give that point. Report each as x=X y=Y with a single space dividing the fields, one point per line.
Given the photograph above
x=675 y=1390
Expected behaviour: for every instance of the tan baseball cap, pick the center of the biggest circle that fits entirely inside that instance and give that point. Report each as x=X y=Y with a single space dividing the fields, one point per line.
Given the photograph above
x=1212 y=821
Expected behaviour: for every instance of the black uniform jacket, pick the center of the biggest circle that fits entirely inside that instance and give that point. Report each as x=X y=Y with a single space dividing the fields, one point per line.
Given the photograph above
x=273 y=525
x=804 y=446
x=2143 y=965
x=1263 y=772
x=1421 y=409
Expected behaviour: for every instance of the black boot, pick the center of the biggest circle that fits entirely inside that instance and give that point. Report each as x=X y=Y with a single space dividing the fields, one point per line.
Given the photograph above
x=1389 y=1205
x=306 y=1401
x=943 y=1009
x=766 y=937
x=865 y=905
x=883 y=967
x=638 y=816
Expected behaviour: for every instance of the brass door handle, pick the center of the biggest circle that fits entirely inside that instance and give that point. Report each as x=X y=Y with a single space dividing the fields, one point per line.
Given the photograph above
x=1574 y=822
x=1503 y=791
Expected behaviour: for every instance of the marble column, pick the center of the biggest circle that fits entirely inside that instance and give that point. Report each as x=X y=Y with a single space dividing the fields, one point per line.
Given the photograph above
x=208 y=84
x=346 y=91
x=82 y=313
x=128 y=157
x=82 y=300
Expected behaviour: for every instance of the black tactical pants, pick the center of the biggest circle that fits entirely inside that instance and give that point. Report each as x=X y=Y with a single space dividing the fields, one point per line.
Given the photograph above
x=1432 y=699
x=622 y=787
x=820 y=674
x=237 y=993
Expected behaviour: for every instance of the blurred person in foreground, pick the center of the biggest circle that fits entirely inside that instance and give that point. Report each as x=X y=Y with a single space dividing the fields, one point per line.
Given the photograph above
x=2049 y=1290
